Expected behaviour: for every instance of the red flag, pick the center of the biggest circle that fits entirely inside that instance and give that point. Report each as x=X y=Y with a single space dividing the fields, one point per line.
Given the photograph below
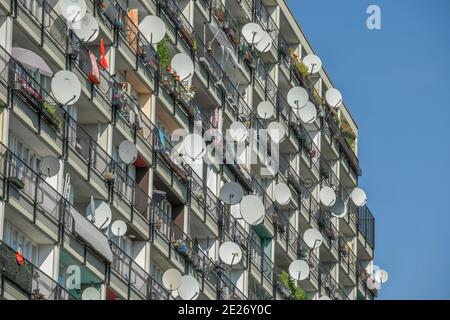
x=102 y=62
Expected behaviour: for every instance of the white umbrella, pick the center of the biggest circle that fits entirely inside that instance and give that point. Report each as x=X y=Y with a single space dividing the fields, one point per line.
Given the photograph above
x=31 y=60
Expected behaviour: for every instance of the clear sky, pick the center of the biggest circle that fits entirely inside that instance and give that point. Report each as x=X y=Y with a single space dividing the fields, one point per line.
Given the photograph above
x=396 y=83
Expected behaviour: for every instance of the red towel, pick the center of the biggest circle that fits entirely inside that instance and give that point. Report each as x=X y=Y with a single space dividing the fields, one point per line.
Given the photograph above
x=19 y=258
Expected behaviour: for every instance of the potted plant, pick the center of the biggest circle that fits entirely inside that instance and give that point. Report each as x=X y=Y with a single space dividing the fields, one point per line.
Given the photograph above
x=296 y=292
x=219 y=12
x=163 y=53
x=51 y=115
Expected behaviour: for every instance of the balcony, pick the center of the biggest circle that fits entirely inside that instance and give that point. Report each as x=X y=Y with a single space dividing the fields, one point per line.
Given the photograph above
x=285 y=288
x=365 y=292
x=343 y=145
x=182 y=252
x=311 y=284
x=330 y=287
x=20 y=281
x=366 y=232
x=133 y=282
x=232 y=230
x=266 y=228
x=205 y=207
x=347 y=263
x=286 y=240
x=261 y=266
x=329 y=249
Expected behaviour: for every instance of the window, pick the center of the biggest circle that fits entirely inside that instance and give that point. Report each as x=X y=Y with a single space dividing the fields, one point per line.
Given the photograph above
x=123 y=242
x=28 y=157
x=21 y=243
x=124 y=179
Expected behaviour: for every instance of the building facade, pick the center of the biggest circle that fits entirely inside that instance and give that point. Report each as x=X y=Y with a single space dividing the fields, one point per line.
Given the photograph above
x=172 y=209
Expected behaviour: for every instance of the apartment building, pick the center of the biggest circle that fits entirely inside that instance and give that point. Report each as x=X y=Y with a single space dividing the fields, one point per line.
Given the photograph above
x=172 y=209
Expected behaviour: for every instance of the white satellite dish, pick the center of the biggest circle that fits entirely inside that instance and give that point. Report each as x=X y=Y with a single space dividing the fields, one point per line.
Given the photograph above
x=308 y=114
x=49 y=166
x=183 y=66
x=72 y=10
x=297 y=97
x=333 y=98
x=327 y=196
x=252 y=32
x=252 y=210
x=371 y=284
x=171 y=279
x=313 y=63
x=99 y=213
x=381 y=276
x=282 y=194
x=230 y=253
x=276 y=131
x=358 y=197
x=66 y=87
x=313 y=238
x=90 y=293
x=153 y=29
x=127 y=152
x=299 y=270
x=265 y=43
x=265 y=110
x=231 y=193
x=119 y=228
x=189 y=288
x=324 y=298
x=339 y=208
x=193 y=146
x=238 y=131
x=86 y=29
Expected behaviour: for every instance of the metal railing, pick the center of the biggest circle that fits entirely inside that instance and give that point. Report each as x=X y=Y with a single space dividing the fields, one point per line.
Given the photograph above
x=137 y=277
x=29 y=278
x=366 y=225
x=347 y=256
x=196 y=259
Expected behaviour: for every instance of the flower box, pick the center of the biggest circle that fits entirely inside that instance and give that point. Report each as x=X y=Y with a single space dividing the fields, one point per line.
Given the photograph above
x=16 y=182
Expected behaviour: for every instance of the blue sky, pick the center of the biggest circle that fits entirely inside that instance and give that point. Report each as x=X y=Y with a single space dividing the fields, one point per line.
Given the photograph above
x=396 y=83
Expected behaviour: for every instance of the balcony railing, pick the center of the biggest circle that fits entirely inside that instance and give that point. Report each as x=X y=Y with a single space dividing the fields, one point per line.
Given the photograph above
x=29 y=278
x=331 y=286
x=366 y=225
x=137 y=277
x=346 y=256
x=264 y=18
x=235 y=231
x=262 y=262
x=347 y=151
x=369 y=292
x=196 y=259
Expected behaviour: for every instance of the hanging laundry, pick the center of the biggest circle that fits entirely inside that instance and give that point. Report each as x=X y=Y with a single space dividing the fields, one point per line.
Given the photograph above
x=215 y=117
x=94 y=75
x=102 y=62
x=161 y=138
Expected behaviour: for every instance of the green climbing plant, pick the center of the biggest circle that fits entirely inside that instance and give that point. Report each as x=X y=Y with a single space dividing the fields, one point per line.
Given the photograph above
x=288 y=283
x=163 y=53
